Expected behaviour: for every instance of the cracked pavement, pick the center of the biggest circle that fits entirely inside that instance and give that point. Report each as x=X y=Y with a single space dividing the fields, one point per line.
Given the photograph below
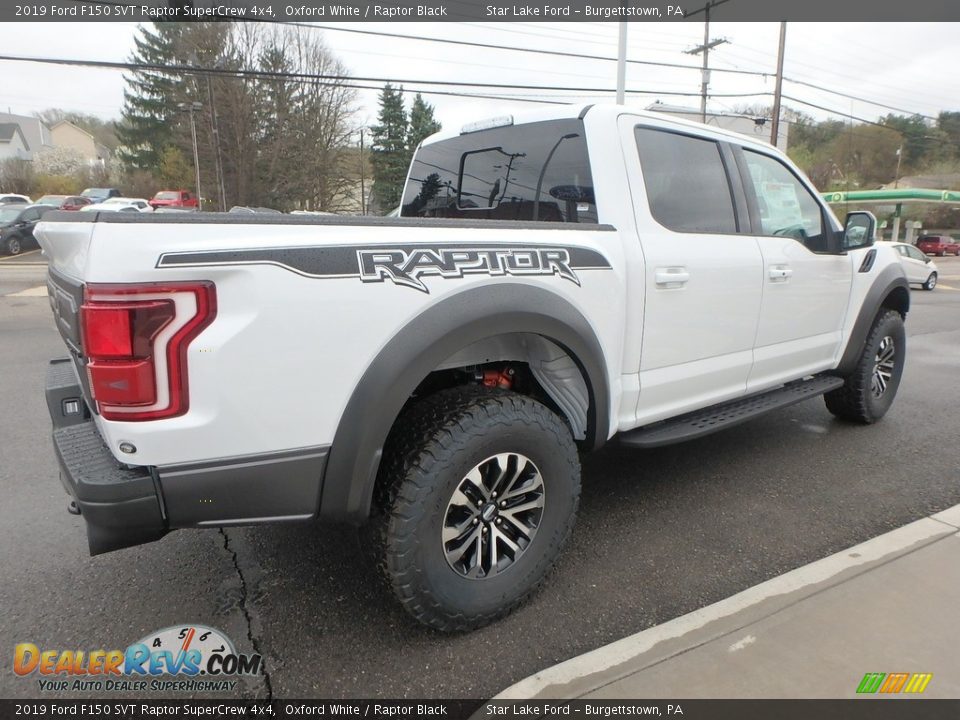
x=660 y=534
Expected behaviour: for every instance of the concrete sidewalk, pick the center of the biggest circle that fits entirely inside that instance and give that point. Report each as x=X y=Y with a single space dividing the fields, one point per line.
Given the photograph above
x=889 y=605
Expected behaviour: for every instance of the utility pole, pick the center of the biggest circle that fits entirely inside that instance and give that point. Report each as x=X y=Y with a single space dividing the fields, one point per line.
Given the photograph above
x=705 y=49
x=775 y=124
x=191 y=108
x=216 y=142
x=622 y=64
x=363 y=182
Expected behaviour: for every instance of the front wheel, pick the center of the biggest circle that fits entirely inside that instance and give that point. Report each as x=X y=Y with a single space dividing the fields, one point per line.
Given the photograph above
x=870 y=389
x=480 y=493
x=931 y=282
x=13 y=246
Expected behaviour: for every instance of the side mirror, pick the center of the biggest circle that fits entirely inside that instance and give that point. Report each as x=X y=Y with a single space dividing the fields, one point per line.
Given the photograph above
x=859 y=230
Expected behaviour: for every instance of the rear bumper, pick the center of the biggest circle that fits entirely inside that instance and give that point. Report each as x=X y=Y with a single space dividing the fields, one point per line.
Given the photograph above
x=120 y=504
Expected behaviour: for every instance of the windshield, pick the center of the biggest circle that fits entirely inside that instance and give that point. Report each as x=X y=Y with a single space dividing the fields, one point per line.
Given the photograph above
x=95 y=192
x=167 y=196
x=8 y=215
x=51 y=199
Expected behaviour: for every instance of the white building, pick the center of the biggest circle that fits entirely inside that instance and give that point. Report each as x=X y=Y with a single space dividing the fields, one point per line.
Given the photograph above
x=13 y=144
x=755 y=127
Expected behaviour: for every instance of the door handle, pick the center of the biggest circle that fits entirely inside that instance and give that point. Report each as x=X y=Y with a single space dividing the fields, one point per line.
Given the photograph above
x=671 y=276
x=780 y=273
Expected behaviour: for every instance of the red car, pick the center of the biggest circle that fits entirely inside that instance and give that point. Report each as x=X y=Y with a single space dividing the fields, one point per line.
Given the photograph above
x=64 y=202
x=938 y=245
x=174 y=199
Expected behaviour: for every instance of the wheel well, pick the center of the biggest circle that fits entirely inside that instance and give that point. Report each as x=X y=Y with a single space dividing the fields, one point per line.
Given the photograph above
x=526 y=363
x=898 y=299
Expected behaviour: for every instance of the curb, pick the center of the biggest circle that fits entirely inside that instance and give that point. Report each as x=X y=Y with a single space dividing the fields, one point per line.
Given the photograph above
x=571 y=679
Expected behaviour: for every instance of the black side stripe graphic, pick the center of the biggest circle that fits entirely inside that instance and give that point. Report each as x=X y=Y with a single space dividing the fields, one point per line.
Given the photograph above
x=406 y=264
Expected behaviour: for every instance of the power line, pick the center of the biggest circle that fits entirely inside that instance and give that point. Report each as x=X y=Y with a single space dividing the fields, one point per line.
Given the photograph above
x=334 y=79
x=511 y=48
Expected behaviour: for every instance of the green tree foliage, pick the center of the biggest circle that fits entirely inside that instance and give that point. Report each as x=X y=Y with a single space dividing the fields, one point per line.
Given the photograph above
x=389 y=148
x=949 y=124
x=149 y=119
x=395 y=139
x=422 y=124
x=279 y=139
x=174 y=170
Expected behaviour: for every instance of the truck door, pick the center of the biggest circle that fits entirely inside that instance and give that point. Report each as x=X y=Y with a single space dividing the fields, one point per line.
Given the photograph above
x=805 y=288
x=703 y=274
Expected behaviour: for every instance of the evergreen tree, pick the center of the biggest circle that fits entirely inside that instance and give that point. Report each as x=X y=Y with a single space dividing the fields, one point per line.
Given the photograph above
x=149 y=104
x=389 y=154
x=422 y=123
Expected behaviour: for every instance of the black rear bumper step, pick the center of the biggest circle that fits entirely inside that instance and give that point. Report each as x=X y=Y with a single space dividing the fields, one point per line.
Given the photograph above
x=119 y=503
x=726 y=415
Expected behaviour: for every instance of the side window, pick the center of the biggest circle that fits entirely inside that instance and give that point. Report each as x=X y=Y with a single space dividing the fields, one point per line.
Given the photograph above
x=914 y=253
x=786 y=207
x=687 y=185
x=30 y=215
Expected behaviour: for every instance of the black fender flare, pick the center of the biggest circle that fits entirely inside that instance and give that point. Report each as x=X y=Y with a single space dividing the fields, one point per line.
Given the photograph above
x=424 y=343
x=889 y=289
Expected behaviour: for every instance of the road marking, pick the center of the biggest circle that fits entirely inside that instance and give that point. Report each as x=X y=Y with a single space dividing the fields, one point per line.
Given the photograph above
x=941 y=286
x=39 y=291
x=13 y=259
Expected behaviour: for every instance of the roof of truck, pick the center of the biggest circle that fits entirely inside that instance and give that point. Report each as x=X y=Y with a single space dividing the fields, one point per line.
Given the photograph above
x=559 y=112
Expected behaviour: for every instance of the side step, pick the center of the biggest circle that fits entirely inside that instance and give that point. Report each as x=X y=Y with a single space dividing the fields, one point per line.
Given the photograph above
x=726 y=415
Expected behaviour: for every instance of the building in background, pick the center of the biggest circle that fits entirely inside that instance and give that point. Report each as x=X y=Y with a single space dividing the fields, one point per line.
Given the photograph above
x=66 y=134
x=35 y=134
x=755 y=127
x=13 y=145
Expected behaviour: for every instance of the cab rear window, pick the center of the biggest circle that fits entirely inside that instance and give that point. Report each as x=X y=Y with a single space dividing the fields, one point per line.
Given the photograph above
x=536 y=171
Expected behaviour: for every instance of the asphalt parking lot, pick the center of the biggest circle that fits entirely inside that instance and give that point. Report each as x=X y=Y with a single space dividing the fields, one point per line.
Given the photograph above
x=660 y=533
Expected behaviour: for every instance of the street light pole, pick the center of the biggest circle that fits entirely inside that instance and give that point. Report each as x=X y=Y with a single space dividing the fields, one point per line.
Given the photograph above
x=191 y=108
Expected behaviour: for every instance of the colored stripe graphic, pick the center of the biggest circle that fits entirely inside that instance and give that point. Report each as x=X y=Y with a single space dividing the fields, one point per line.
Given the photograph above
x=894 y=682
x=891 y=683
x=871 y=682
x=918 y=682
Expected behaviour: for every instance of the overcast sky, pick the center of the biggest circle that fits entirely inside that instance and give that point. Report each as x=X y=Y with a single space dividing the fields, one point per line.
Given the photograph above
x=908 y=65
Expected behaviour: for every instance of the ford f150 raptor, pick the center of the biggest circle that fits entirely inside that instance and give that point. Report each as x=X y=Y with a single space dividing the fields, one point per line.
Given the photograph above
x=551 y=282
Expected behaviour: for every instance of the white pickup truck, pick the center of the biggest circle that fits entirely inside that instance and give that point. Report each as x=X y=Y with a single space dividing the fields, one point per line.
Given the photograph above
x=584 y=273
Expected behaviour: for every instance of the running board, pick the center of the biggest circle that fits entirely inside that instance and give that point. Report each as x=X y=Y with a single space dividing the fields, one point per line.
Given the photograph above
x=726 y=415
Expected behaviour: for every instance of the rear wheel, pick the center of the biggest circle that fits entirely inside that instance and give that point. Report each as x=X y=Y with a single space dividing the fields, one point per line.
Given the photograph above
x=479 y=493
x=870 y=389
x=931 y=282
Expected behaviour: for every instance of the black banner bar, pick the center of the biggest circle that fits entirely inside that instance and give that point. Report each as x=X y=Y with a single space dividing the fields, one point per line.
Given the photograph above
x=481 y=10
x=854 y=709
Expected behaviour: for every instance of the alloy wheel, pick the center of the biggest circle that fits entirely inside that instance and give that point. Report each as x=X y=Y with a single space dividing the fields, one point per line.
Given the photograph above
x=883 y=366
x=493 y=515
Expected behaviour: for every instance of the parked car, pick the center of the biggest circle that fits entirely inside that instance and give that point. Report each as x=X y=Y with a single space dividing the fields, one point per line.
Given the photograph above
x=64 y=202
x=110 y=207
x=174 y=199
x=920 y=269
x=14 y=199
x=16 y=227
x=98 y=195
x=139 y=204
x=938 y=245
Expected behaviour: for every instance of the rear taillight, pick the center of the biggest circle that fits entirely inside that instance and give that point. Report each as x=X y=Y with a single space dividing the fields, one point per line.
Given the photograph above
x=135 y=340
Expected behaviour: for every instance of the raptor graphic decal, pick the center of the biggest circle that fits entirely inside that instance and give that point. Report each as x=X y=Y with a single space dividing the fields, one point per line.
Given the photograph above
x=406 y=265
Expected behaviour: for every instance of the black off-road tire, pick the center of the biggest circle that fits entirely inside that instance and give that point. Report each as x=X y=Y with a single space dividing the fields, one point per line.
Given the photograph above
x=427 y=456
x=857 y=400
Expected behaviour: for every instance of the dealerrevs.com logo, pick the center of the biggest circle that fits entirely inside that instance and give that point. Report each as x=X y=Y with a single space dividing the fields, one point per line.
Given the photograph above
x=181 y=658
